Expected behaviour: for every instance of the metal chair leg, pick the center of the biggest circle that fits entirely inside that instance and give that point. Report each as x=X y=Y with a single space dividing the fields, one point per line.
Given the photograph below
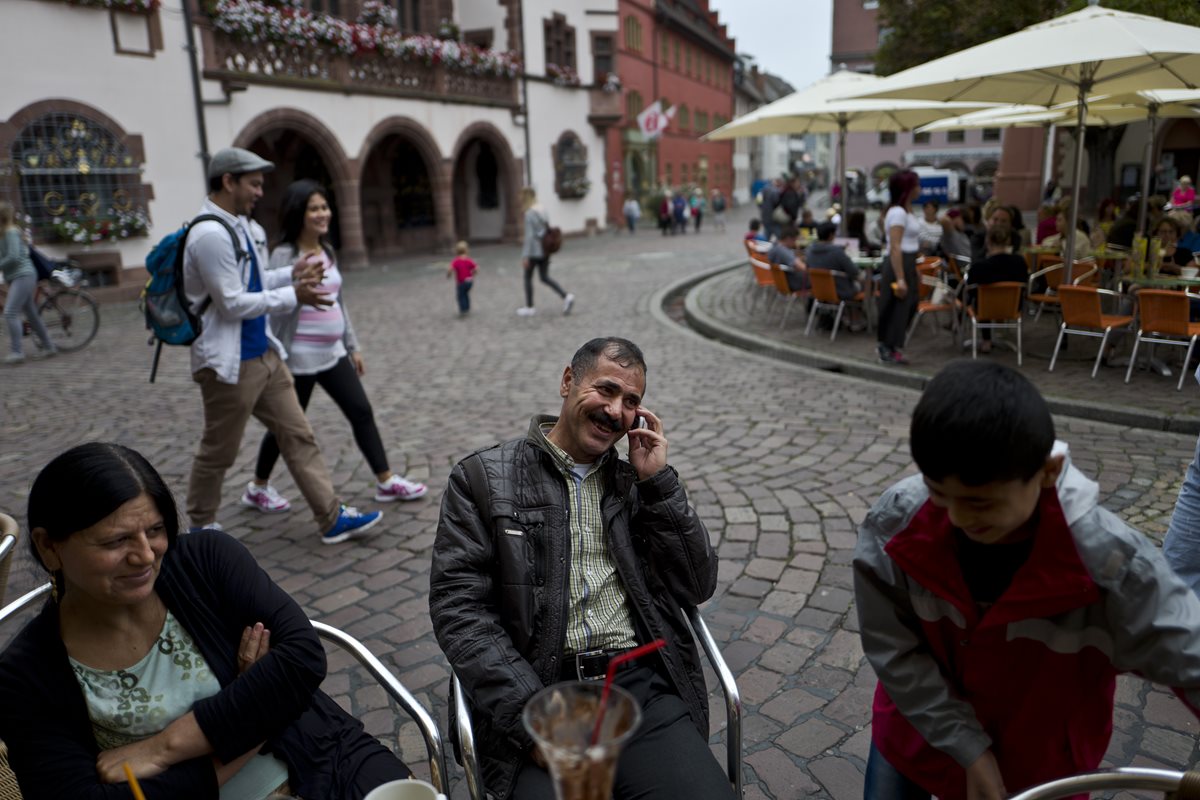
x=1183 y=371
x=1133 y=356
x=812 y=317
x=974 y=336
x=837 y=320
x=1019 y=347
x=1061 y=333
x=1100 y=353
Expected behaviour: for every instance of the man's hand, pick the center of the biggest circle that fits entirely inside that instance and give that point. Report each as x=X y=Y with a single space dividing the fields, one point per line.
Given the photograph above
x=647 y=446
x=256 y=642
x=308 y=269
x=360 y=366
x=983 y=779
x=146 y=758
x=307 y=295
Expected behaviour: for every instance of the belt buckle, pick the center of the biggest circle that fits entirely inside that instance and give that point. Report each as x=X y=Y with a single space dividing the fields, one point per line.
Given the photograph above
x=588 y=661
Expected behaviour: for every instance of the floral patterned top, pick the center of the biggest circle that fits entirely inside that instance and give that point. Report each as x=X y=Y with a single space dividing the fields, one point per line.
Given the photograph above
x=131 y=704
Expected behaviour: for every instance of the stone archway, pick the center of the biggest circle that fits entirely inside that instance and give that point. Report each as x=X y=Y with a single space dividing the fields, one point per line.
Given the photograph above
x=404 y=190
x=486 y=181
x=302 y=147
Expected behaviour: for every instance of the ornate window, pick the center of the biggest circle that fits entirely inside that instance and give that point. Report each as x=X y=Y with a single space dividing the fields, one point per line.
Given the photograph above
x=77 y=175
x=560 y=41
x=633 y=34
x=570 y=167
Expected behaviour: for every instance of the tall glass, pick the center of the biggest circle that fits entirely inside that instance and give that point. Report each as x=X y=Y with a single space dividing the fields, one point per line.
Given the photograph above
x=560 y=719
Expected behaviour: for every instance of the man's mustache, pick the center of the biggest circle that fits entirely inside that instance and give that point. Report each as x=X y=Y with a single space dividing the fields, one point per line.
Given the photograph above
x=613 y=424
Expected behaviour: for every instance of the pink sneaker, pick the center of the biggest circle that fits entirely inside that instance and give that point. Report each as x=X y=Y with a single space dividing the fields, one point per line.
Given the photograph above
x=265 y=499
x=397 y=488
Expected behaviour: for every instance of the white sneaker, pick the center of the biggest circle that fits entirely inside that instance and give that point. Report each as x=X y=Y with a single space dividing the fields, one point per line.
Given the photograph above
x=397 y=488
x=568 y=302
x=19 y=358
x=526 y=311
x=265 y=499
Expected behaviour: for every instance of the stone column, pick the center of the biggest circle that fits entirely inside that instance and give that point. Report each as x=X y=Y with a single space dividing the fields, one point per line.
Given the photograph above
x=350 y=221
x=442 y=180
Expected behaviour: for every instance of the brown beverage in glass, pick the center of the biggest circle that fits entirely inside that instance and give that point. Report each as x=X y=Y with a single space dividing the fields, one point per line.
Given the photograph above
x=560 y=719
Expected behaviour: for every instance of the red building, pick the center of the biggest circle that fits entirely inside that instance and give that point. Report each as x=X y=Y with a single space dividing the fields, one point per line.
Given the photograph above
x=675 y=51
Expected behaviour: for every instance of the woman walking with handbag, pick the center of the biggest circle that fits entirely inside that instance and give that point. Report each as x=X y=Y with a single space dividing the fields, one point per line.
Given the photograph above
x=534 y=255
x=22 y=280
x=899 y=288
x=322 y=349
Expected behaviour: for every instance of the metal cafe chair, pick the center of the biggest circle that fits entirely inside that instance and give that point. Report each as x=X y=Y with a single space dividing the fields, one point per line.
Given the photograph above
x=785 y=292
x=1163 y=319
x=729 y=687
x=434 y=747
x=826 y=299
x=997 y=307
x=1082 y=316
x=1179 y=785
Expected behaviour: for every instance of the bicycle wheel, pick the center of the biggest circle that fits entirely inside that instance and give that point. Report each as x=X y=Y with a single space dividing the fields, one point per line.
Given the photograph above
x=72 y=317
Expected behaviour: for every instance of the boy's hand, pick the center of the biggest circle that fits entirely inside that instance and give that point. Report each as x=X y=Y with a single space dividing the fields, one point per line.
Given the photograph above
x=983 y=779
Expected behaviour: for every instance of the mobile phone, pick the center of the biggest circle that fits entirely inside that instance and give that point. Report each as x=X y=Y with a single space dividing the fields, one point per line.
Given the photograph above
x=639 y=421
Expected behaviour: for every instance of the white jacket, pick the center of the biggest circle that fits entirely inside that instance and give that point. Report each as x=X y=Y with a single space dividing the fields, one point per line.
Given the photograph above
x=211 y=269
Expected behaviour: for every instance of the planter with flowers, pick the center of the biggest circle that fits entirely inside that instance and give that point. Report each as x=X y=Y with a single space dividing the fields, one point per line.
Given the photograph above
x=562 y=76
x=75 y=227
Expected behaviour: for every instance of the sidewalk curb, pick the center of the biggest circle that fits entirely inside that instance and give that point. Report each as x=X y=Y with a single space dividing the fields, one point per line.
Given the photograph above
x=712 y=328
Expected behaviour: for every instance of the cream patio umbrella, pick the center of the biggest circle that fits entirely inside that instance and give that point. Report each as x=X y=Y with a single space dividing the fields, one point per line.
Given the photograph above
x=814 y=110
x=1095 y=50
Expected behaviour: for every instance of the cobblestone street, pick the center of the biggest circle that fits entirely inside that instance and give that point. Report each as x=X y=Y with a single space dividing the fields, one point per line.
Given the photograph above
x=782 y=463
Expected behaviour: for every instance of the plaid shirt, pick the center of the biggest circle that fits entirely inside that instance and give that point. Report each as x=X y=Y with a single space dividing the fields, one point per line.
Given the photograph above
x=598 y=608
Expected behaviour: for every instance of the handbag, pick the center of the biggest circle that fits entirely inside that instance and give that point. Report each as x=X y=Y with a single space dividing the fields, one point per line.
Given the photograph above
x=780 y=216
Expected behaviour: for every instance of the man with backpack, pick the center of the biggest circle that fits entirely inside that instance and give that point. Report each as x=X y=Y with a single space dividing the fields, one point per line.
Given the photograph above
x=237 y=361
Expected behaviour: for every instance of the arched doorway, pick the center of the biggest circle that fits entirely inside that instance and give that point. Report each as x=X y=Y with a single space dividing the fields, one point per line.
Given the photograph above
x=479 y=202
x=398 y=210
x=296 y=158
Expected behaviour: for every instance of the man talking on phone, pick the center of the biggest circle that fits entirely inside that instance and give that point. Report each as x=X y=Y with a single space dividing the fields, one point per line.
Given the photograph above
x=553 y=556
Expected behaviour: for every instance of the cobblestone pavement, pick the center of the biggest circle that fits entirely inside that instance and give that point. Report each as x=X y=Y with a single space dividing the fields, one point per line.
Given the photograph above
x=729 y=299
x=781 y=462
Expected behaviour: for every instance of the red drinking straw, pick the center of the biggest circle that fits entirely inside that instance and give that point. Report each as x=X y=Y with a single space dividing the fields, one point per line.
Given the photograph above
x=636 y=652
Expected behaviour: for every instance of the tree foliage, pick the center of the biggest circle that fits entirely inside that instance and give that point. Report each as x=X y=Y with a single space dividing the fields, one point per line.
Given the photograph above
x=917 y=31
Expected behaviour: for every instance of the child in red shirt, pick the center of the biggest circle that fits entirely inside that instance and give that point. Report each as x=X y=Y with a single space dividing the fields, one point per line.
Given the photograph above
x=463 y=269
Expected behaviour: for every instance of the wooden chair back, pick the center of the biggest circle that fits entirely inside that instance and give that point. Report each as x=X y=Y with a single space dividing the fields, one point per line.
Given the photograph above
x=998 y=302
x=1162 y=311
x=824 y=287
x=927 y=277
x=762 y=270
x=1080 y=306
x=779 y=280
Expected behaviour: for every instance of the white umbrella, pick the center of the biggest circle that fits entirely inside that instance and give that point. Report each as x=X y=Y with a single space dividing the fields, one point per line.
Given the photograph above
x=814 y=110
x=1069 y=57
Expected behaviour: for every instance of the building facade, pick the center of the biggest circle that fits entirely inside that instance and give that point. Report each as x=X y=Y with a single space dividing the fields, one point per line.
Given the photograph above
x=677 y=52
x=423 y=135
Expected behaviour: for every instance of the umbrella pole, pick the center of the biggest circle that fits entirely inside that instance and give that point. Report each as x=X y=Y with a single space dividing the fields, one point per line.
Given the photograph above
x=1143 y=204
x=842 y=173
x=1085 y=88
x=1048 y=155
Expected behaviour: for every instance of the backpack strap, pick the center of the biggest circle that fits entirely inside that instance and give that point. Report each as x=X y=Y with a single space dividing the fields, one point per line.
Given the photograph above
x=239 y=253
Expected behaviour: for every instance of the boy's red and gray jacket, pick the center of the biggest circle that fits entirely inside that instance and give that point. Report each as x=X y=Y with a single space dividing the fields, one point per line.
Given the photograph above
x=1032 y=680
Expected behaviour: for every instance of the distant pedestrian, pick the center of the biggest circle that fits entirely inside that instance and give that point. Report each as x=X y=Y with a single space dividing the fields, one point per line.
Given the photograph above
x=322 y=349
x=633 y=212
x=697 y=204
x=679 y=210
x=665 y=215
x=22 y=280
x=534 y=256
x=770 y=202
x=463 y=269
x=237 y=361
x=718 y=210
x=755 y=232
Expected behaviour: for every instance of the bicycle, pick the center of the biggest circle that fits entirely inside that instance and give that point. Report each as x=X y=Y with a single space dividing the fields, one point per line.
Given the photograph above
x=70 y=314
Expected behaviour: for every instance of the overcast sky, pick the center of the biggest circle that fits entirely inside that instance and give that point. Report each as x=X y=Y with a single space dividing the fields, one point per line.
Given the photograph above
x=786 y=37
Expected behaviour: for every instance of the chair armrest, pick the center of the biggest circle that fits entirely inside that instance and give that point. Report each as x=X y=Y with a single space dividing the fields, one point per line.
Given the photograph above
x=466 y=742
x=733 y=697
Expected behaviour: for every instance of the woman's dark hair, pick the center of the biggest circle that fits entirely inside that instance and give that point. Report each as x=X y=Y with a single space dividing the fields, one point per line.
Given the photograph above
x=980 y=422
x=1174 y=223
x=1106 y=205
x=292 y=211
x=101 y=477
x=900 y=186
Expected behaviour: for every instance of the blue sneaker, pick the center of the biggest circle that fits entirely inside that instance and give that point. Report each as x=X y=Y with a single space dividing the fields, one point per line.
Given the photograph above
x=350 y=525
x=212 y=526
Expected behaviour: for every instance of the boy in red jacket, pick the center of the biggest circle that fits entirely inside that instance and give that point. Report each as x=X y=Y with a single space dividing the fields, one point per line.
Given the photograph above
x=998 y=602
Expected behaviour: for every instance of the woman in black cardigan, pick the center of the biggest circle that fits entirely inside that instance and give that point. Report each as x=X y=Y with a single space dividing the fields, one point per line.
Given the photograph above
x=128 y=591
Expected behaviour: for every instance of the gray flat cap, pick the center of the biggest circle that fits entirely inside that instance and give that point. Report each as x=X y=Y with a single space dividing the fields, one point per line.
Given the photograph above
x=237 y=161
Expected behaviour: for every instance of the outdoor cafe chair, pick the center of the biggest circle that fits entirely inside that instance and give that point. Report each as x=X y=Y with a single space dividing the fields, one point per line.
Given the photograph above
x=997 y=307
x=761 y=269
x=434 y=748
x=1163 y=319
x=1082 y=316
x=826 y=299
x=9 y=533
x=1178 y=785
x=1051 y=269
x=469 y=755
x=934 y=296
x=785 y=291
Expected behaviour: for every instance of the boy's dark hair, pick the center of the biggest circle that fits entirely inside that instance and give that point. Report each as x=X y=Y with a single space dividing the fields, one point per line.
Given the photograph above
x=980 y=422
x=614 y=348
x=826 y=231
x=788 y=231
x=755 y=224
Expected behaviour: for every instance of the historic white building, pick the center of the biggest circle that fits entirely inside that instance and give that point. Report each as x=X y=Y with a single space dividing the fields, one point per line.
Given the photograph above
x=424 y=128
